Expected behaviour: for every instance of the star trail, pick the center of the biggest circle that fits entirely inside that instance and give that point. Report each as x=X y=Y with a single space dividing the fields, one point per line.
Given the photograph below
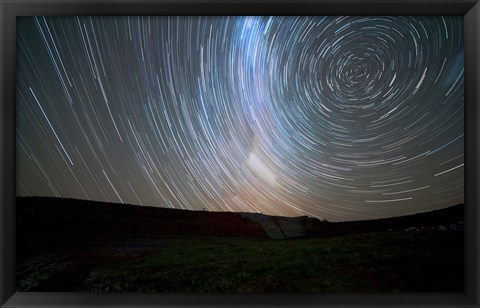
x=341 y=118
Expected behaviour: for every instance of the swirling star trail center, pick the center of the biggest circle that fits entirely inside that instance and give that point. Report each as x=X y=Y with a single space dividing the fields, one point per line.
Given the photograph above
x=337 y=117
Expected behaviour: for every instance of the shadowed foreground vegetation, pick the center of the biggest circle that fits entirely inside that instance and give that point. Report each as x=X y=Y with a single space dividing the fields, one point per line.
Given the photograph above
x=394 y=261
x=76 y=245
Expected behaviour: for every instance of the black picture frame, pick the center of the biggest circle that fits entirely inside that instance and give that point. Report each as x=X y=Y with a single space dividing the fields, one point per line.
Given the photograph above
x=10 y=9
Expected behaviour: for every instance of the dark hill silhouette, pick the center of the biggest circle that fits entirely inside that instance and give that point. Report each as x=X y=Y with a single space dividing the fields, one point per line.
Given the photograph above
x=442 y=218
x=46 y=223
x=278 y=227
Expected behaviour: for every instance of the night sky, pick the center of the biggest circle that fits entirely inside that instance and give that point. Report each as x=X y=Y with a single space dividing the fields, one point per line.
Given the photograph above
x=341 y=118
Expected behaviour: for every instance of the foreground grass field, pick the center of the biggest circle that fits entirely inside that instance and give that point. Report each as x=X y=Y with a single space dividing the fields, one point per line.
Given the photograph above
x=391 y=261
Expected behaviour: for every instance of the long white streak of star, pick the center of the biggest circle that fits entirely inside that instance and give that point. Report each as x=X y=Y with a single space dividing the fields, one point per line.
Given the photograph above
x=449 y=170
x=53 y=130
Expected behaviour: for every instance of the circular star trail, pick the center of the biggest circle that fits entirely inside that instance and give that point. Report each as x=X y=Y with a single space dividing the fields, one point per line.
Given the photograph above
x=342 y=118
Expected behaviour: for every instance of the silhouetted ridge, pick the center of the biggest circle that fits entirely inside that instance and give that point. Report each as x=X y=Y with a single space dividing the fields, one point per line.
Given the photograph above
x=45 y=223
x=442 y=218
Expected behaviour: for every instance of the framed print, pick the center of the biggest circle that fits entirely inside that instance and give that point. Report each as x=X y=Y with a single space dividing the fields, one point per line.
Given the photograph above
x=223 y=153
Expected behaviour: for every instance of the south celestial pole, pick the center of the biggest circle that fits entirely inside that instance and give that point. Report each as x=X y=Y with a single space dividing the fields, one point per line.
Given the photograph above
x=341 y=118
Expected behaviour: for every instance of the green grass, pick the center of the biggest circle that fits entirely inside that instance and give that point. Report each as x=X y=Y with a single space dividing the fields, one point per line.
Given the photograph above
x=377 y=262
x=36 y=270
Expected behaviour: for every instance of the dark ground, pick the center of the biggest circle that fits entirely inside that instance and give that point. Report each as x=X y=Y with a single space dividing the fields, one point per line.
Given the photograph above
x=74 y=245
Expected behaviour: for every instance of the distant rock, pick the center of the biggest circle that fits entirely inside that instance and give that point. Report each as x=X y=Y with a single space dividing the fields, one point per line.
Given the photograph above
x=280 y=227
